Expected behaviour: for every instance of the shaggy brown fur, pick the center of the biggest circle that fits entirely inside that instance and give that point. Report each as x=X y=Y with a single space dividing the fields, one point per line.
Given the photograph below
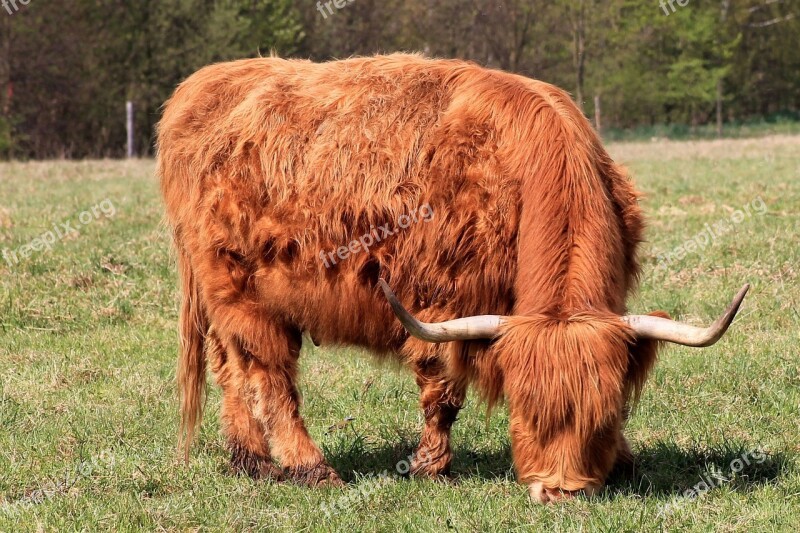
x=266 y=163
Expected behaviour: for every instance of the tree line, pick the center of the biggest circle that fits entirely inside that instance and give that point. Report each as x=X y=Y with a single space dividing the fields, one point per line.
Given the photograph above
x=67 y=68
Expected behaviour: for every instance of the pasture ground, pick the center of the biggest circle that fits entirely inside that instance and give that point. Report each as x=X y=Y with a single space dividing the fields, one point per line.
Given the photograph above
x=87 y=357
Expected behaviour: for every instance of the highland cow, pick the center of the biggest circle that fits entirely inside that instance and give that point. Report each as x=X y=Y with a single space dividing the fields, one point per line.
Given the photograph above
x=521 y=276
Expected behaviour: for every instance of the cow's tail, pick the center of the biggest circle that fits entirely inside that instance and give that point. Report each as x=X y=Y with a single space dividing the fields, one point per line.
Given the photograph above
x=191 y=373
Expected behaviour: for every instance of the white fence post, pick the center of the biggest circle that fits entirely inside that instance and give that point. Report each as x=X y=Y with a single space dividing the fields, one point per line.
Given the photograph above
x=130 y=127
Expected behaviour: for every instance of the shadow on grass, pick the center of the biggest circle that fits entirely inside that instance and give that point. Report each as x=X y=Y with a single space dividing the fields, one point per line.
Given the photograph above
x=352 y=459
x=660 y=470
x=664 y=469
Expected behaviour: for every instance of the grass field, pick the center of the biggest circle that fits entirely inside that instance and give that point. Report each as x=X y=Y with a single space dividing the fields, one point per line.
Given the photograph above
x=784 y=124
x=88 y=342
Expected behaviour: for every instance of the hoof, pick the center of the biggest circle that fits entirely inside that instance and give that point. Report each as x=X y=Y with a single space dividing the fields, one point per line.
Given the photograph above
x=424 y=467
x=625 y=466
x=245 y=462
x=319 y=475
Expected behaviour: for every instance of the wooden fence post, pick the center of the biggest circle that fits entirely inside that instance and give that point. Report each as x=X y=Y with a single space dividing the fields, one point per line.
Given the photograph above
x=597 y=123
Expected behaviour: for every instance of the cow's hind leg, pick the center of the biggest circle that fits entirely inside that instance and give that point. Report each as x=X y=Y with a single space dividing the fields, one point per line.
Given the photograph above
x=269 y=364
x=266 y=348
x=441 y=398
x=246 y=436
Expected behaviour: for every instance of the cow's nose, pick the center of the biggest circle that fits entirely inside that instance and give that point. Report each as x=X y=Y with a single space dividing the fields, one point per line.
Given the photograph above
x=541 y=494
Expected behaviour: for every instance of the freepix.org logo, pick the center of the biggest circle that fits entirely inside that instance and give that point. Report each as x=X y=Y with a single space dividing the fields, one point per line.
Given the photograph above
x=328 y=6
x=376 y=235
x=12 y=6
x=59 y=231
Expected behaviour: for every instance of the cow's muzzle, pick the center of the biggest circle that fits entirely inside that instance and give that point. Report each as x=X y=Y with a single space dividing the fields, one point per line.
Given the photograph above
x=541 y=494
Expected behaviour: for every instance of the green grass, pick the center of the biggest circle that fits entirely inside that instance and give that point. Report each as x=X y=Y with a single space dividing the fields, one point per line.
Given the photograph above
x=88 y=342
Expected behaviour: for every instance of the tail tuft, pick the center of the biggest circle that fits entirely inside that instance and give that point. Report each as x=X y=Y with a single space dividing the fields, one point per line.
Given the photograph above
x=191 y=373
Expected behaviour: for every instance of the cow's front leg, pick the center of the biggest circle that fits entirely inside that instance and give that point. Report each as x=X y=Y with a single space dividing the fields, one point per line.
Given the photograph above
x=441 y=398
x=625 y=465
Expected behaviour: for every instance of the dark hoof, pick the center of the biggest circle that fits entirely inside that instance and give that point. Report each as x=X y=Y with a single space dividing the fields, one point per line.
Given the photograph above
x=245 y=462
x=319 y=475
x=424 y=467
x=625 y=466
x=269 y=471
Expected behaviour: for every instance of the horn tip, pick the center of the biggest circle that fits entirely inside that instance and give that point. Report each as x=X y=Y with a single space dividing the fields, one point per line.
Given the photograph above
x=390 y=296
x=384 y=286
x=742 y=293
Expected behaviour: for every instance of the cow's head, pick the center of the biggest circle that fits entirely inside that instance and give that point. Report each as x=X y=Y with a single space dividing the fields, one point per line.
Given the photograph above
x=568 y=382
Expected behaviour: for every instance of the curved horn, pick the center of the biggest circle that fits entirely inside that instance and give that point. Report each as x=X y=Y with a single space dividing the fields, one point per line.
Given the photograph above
x=460 y=329
x=663 y=329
